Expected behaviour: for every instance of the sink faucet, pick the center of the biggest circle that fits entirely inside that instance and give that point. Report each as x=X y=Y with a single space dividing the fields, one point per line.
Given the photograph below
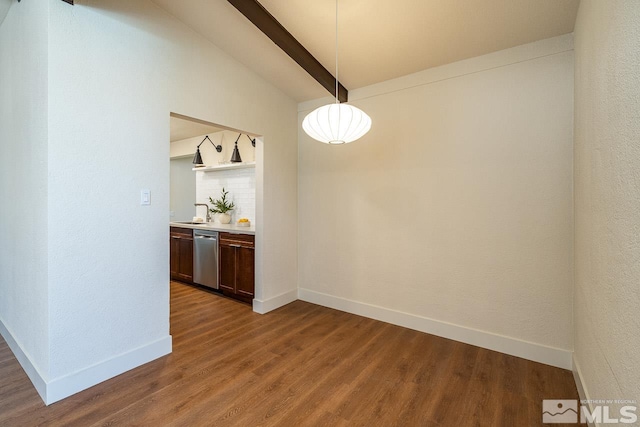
x=208 y=214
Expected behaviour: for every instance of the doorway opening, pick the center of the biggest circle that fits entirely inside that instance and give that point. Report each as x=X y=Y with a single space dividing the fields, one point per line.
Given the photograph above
x=214 y=205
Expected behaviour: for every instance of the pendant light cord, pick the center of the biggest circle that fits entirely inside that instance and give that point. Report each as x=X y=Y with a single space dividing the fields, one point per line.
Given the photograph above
x=337 y=102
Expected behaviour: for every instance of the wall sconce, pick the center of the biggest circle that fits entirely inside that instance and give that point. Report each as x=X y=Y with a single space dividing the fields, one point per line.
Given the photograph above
x=197 y=159
x=253 y=141
x=235 y=157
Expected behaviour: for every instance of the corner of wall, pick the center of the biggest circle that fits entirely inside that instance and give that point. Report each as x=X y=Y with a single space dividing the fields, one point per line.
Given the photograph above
x=68 y=385
x=270 y=304
x=582 y=390
x=29 y=368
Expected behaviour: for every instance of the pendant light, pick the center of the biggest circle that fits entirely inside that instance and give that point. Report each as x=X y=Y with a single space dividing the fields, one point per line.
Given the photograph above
x=336 y=123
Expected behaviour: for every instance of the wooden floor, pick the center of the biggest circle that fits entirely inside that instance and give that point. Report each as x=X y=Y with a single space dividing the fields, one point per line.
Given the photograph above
x=300 y=365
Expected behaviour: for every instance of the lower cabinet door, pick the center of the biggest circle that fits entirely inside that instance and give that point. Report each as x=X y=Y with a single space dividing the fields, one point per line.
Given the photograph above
x=185 y=268
x=174 y=259
x=181 y=254
x=237 y=266
x=227 y=268
x=245 y=267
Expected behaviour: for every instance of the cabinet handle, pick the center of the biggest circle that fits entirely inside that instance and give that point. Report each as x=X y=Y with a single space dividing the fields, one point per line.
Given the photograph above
x=175 y=237
x=235 y=246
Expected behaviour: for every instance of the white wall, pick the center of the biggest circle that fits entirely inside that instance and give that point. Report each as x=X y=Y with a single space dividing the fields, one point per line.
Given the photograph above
x=116 y=70
x=23 y=185
x=454 y=214
x=4 y=9
x=607 y=198
x=183 y=190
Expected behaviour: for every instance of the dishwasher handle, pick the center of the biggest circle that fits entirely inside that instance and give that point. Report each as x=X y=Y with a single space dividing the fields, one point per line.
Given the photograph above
x=206 y=237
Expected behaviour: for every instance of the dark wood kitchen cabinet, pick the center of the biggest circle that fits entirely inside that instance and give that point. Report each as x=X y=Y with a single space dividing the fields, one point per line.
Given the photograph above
x=237 y=265
x=181 y=254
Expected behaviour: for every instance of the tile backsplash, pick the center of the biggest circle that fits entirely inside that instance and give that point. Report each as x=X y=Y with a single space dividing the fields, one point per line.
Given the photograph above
x=241 y=185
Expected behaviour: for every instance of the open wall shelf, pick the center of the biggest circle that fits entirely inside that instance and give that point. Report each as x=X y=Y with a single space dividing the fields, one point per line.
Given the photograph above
x=226 y=167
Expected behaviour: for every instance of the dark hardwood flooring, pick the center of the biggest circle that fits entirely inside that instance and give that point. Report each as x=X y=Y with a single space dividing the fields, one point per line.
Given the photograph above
x=301 y=365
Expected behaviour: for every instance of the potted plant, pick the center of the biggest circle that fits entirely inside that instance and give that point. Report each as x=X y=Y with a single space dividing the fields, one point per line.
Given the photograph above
x=222 y=207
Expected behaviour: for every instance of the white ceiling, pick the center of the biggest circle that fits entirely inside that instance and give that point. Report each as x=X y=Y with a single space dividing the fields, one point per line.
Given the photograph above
x=183 y=129
x=379 y=39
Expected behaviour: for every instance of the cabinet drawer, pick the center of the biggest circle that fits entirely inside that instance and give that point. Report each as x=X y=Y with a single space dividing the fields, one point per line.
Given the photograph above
x=187 y=232
x=245 y=240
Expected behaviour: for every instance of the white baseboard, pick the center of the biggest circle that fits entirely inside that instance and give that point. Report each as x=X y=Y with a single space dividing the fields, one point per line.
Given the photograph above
x=578 y=379
x=265 y=306
x=526 y=350
x=582 y=391
x=68 y=385
x=62 y=387
x=32 y=372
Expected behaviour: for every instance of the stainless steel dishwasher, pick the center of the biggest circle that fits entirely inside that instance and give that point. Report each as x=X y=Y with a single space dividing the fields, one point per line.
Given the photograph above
x=205 y=258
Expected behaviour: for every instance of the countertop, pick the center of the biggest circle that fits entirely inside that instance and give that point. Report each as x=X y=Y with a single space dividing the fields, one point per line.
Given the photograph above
x=214 y=226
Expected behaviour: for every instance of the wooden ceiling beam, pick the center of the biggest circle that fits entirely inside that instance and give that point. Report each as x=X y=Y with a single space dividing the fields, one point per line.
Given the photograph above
x=261 y=18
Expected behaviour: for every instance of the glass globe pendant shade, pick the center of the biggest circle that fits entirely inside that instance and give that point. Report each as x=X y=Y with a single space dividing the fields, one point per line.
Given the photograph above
x=336 y=123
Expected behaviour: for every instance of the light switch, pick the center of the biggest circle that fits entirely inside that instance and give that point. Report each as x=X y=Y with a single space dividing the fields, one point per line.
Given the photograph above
x=145 y=197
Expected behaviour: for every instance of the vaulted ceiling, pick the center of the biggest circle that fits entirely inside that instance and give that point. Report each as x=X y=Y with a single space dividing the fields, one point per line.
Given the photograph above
x=184 y=128
x=378 y=39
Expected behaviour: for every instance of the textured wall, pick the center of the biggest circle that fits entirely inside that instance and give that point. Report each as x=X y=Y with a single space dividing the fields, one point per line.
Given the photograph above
x=607 y=198
x=23 y=179
x=4 y=9
x=120 y=67
x=457 y=206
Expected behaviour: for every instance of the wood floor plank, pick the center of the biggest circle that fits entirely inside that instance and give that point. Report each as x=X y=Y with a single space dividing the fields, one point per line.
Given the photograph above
x=301 y=365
